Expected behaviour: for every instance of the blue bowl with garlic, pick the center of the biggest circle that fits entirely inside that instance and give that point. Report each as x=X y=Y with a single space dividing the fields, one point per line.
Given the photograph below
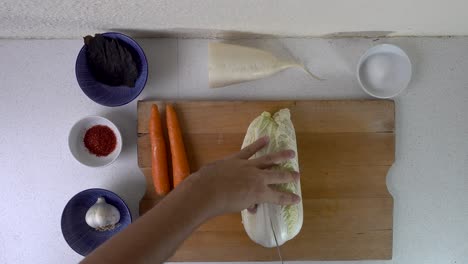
x=91 y=217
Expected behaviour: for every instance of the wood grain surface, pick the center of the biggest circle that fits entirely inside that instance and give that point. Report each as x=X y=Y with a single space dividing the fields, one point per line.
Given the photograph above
x=345 y=149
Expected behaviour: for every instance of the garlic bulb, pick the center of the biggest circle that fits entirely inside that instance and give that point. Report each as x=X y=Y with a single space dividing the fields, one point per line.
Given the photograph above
x=102 y=215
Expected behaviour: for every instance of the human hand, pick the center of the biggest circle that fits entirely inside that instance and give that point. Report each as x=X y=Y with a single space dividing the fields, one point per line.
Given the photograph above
x=236 y=183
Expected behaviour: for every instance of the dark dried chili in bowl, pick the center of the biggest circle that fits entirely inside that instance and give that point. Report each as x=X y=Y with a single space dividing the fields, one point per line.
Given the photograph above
x=110 y=61
x=100 y=73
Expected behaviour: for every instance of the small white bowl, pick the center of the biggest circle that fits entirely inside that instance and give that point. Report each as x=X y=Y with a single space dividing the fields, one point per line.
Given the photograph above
x=78 y=148
x=384 y=71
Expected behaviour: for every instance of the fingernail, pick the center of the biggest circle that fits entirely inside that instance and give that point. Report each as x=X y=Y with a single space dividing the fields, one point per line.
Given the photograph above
x=252 y=209
x=263 y=140
x=296 y=175
x=296 y=199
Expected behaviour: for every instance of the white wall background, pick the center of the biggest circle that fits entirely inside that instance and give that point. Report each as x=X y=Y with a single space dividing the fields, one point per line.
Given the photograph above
x=73 y=19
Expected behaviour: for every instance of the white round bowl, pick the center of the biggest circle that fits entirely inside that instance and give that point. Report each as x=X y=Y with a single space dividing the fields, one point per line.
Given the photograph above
x=384 y=71
x=78 y=148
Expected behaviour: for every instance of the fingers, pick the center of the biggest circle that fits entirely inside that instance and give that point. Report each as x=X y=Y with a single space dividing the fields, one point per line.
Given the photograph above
x=251 y=149
x=273 y=159
x=280 y=176
x=280 y=198
x=252 y=209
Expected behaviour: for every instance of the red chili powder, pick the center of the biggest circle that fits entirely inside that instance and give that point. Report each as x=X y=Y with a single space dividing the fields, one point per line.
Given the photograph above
x=100 y=140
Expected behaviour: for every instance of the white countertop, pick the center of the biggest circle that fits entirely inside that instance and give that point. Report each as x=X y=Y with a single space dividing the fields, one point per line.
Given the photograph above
x=40 y=100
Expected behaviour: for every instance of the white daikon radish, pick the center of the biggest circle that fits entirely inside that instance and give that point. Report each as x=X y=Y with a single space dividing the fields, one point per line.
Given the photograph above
x=286 y=220
x=230 y=64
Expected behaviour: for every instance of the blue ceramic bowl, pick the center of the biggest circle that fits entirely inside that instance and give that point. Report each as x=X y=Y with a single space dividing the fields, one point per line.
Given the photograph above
x=112 y=95
x=79 y=235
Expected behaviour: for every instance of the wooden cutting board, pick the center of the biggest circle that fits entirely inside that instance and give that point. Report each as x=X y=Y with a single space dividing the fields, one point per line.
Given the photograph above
x=345 y=149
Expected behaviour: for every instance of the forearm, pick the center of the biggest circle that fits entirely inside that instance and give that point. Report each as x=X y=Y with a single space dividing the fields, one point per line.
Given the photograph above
x=228 y=185
x=155 y=236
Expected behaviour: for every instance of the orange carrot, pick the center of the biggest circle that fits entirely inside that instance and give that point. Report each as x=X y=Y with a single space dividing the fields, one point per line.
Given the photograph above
x=158 y=153
x=180 y=166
